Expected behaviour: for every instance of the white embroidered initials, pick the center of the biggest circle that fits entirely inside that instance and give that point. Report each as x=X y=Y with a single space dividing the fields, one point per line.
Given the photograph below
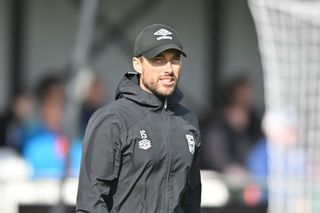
x=144 y=143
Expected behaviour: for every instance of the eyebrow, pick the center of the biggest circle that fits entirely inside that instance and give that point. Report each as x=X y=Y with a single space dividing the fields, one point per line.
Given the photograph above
x=176 y=53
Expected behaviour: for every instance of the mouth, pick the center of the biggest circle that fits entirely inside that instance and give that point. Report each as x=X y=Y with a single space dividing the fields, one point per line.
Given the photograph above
x=167 y=81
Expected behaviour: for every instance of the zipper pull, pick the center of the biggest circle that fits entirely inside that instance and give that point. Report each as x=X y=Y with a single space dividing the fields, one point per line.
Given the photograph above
x=165 y=104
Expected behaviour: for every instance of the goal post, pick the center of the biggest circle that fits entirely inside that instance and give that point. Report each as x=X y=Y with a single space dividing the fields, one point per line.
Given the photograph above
x=289 y=42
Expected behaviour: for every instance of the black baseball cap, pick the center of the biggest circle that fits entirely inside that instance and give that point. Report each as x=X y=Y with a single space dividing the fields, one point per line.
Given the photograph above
x=156 y=38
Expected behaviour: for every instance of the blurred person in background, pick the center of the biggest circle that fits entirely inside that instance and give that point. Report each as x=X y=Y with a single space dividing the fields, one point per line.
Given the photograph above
x=15 y=120
x=239 y=93
x=277 y=159
x=14 y=126
x=232 y=130
x=92 y=101
x=46 y=148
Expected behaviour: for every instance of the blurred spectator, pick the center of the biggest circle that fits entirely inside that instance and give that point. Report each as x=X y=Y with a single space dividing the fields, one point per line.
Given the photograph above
x=15 y=119
x=281 y=131
x=231 y=130
x=92 y=101
x=47 y=148
x=257 y=164
x=277 y=159
x=257 y=161
x=239 y=93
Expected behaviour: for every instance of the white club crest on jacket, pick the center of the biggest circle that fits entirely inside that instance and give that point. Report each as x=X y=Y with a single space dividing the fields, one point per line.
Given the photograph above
x=191 y=143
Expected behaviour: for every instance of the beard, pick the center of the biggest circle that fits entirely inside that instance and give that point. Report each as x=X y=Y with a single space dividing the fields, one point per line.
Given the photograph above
x=156 y=88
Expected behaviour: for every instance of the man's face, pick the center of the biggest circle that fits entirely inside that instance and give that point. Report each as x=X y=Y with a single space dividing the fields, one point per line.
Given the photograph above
x=160 y=74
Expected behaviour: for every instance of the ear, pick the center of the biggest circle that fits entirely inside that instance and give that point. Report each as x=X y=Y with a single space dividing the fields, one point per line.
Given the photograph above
x=136 y=62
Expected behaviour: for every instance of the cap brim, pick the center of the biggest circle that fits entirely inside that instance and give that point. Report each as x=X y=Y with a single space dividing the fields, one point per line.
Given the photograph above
x=157 y=50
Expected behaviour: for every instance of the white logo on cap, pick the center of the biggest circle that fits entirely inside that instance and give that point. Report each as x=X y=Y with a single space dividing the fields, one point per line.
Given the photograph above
x=163 y=34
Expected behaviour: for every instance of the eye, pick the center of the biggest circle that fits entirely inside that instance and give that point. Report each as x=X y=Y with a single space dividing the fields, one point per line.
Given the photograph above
x=176 y=60
x=158 y=60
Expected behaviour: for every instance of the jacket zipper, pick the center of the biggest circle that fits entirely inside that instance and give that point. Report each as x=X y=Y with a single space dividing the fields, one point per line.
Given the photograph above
x=166 y=124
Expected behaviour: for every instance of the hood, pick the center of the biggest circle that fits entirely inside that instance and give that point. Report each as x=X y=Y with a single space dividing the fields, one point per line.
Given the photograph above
x=129 y=88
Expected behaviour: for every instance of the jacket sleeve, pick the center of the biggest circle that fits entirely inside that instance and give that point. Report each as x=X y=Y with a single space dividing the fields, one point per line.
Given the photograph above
x=193 y=197
x=100 y=164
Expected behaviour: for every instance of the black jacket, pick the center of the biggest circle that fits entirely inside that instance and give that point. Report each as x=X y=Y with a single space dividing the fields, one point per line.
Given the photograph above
x=140 y=155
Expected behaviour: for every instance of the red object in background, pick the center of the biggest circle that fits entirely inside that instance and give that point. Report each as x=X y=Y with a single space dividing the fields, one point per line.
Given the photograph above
x=252 y=195
x=61 y=146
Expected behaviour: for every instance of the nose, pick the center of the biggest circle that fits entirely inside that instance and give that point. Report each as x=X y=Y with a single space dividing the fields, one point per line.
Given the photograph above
x=168 y=67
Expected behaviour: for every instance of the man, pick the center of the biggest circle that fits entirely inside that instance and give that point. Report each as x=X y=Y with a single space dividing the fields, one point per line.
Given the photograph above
x=140 y=153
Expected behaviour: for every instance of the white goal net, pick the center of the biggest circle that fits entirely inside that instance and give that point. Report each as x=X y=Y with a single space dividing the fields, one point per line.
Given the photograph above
x=289 y=40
